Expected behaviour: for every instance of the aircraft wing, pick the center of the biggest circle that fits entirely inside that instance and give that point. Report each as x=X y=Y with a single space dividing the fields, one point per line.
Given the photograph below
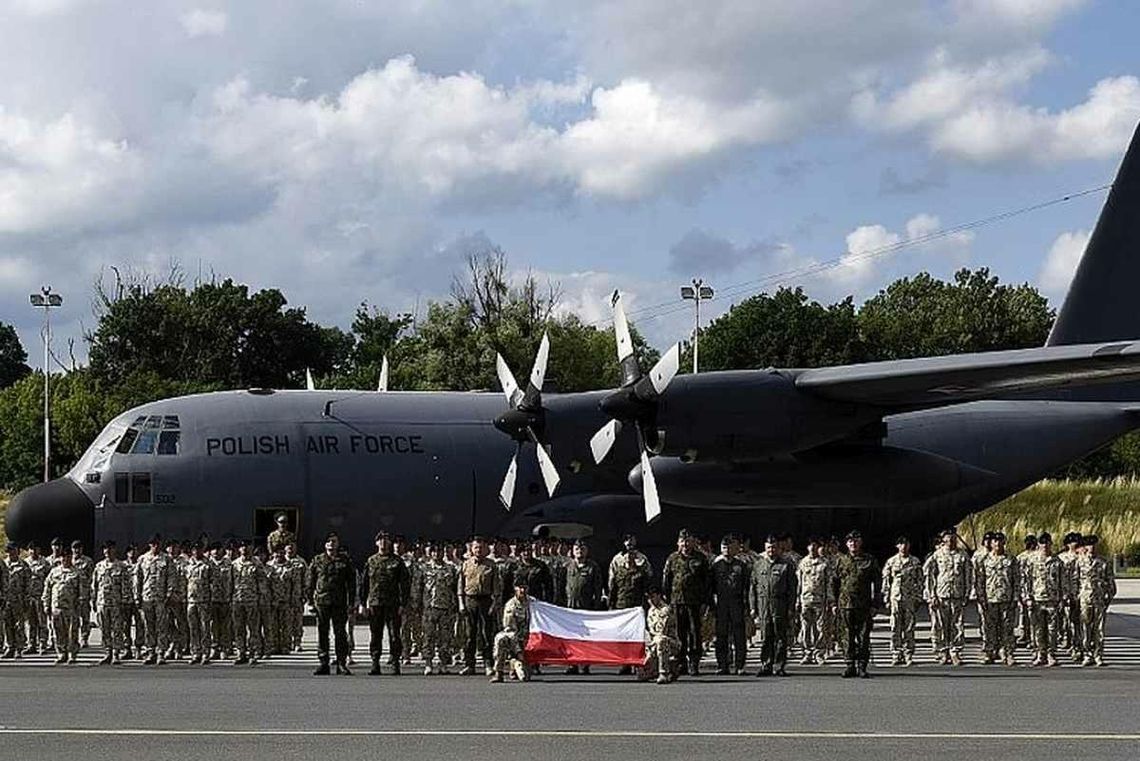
x=934 y=381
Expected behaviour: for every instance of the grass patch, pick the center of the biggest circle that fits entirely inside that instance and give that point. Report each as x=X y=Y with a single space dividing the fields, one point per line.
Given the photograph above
x=1110 y=509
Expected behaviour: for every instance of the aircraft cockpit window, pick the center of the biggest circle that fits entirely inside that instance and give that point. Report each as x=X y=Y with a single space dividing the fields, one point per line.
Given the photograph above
x=127 y=441
x=145 y=442
x=154 y=421
x=168 y=442
x=170 y=422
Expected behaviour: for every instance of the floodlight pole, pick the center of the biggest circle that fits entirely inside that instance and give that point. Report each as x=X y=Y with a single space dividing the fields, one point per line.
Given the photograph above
x=698 y=292
x=46 y=299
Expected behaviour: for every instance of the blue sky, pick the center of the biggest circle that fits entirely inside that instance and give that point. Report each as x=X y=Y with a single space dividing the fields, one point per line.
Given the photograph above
x=343 y=152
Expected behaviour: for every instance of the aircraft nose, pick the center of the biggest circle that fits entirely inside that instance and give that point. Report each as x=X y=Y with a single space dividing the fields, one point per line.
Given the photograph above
x=57 y=508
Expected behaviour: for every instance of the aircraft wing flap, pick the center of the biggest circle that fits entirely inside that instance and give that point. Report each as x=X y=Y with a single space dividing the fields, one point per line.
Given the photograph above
x=934 y=381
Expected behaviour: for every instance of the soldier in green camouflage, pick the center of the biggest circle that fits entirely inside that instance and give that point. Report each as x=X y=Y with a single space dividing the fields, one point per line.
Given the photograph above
x=107 y=581
x=85 y=566
x=902 y=590
x=950 y=581
x=1096 y=588
x=221 y=604
x=436 y=592
x=411 y=620
x=179 y=625
x=857 y=594
x=387 y=589
x=510 y=643
x=15 y=576
x=37 y=621
x=266 y=606
x=61 y=601
x=1025 y=624
x=687 y=584
x=331 y=586
x=199 y=603
x=980 y=554
x=1070 y=631
x=998 y=588
x=1044 y=592
x=298 y=572
x=278 y=570
x=539 y=582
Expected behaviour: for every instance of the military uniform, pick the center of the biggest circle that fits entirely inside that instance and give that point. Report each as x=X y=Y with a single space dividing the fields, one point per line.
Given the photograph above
x=14 y=601
x=902 y=588
x=998 y=590
x=278 y=539
x=510 y=643
x=1096 y=587
x=628 y=584
x=387 y=589
x=437 y=595
x=687 y=584
x=152 y=587
x=247 y=579
x=1070 y=615
x=976 y=560
x=730 y=589
x=536 y=575
x=266 y=610
x=129 y=614
x=1025 y=620
x=1044 y=591
x=857 y=578
x=199 y=606
x=950 y=581
x=584 y=584
x=281 y=634
x=107 y=583
x=176 y=609
x=37 y=620
x=813 y=582
x=221 y=607
x=479 y=588
x=298 y=571
x=662 y=646
x=639 y=559
x=773 y=599
x=331 y=586
x=61 y=596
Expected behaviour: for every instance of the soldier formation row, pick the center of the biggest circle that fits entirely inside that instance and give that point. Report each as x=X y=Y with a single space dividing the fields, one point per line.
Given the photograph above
x=238 y=602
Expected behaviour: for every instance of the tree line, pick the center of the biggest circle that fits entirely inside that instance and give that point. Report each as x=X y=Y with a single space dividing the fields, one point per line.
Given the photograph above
x=153 y=340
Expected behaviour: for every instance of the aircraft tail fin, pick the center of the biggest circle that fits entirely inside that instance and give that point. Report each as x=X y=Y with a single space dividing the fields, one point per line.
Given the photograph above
x=1101 y=303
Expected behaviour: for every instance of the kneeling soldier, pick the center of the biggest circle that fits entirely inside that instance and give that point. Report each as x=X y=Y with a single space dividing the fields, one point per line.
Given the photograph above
x=511 y=641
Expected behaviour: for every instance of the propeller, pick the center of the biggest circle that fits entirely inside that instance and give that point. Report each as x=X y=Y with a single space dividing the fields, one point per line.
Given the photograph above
x=635 y=403
x=309 y=384
x=383 y=385
x=524 y=419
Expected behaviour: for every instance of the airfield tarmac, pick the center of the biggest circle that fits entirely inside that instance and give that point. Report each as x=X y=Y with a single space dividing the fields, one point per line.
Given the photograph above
x=276 y=709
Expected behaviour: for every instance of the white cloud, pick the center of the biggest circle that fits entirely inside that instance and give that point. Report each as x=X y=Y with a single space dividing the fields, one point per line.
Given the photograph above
x=204 y=23
x=871 y=257
x=1061 y=263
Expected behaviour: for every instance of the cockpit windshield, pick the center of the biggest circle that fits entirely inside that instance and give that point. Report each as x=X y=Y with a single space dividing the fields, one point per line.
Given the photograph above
x=150 y=434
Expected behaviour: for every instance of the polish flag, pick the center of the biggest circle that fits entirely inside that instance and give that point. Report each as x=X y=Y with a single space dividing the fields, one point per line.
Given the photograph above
x=585 y=637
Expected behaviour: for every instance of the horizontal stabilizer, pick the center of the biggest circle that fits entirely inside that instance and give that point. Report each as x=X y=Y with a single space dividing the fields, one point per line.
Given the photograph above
x=935 y=381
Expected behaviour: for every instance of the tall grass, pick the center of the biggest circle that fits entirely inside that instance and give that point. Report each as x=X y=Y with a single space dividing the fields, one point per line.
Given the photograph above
x=1108 y=508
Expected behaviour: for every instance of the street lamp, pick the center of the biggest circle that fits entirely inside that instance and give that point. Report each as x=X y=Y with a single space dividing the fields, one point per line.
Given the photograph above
x=697 y=292
x=45 y=299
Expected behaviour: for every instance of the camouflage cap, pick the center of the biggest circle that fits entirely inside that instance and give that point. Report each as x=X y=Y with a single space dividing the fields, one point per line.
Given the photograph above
x=1073 y=537
x=1045 y=538
x=855 y=534
x=998 y=536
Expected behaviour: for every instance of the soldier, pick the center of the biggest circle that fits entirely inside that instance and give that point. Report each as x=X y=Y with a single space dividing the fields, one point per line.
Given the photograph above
x=37 y=621
x=629 y=551
x=789 y=554
x=731 y=578
x=813 y=580
x=535 y=572
x=411 y=634
x=387 y=588
x=85 y=566
x=108 y=579
x=773 y=599
x=221 y=604
x=129 y=614
x=1024 y=623
x=61 y=601
x=332 y=592
x=152 y=588
x=687 y=584
x=298 y=571
x=1070 y=622
x=280 y=536
x=902 y=589
x=510 y=643
x=980 y=554
x=584 y=586
x=278 y=571
x=1096 y=587
x=949 y=583
x=436 y=592
x=663 y=645
x=14 y=600
x=558 y=559
x=266 y=610
x=248 y=576
x=998 y=589
x=1044 y=593
x=179 y=625
x=857 y=594
x=479 y=588
x=199 y=603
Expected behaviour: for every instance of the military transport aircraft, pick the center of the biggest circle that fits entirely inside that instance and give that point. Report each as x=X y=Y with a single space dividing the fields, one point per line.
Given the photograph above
x=910 y=445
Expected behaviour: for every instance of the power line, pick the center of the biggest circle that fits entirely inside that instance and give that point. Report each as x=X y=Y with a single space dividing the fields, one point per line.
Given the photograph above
x=653 y=311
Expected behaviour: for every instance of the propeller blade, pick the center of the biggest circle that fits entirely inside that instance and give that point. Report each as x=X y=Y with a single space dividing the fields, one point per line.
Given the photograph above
x=649 y=489
x=309 y=385
x=507 y=492
x=507 y=381
x=533 y=395
x=621 y=328
x=666 y=368
x=546 y=465
x=603 y=441
x=383 y=385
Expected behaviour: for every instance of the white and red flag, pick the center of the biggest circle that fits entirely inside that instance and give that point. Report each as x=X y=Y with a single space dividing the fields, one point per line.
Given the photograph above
x=585 y=637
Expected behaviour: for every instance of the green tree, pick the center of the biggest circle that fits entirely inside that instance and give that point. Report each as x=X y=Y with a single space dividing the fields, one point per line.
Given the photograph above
x=925 y=317
x=13 y=358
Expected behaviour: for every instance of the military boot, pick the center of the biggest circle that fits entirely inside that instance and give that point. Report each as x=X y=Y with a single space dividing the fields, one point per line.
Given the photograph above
x=150 y=659
x=342 y=668
x=9 y=654
x=862 y=670
x=323 y=669
x=106 y=660
x=375 y=670
x=115 y=661
x=396 y=668
x=850 y=671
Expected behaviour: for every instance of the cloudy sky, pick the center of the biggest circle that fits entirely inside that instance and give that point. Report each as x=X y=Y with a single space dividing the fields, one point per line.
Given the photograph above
x=344 y=150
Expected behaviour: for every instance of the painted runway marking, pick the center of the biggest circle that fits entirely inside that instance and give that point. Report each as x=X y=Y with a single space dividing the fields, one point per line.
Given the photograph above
x=581 y=734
